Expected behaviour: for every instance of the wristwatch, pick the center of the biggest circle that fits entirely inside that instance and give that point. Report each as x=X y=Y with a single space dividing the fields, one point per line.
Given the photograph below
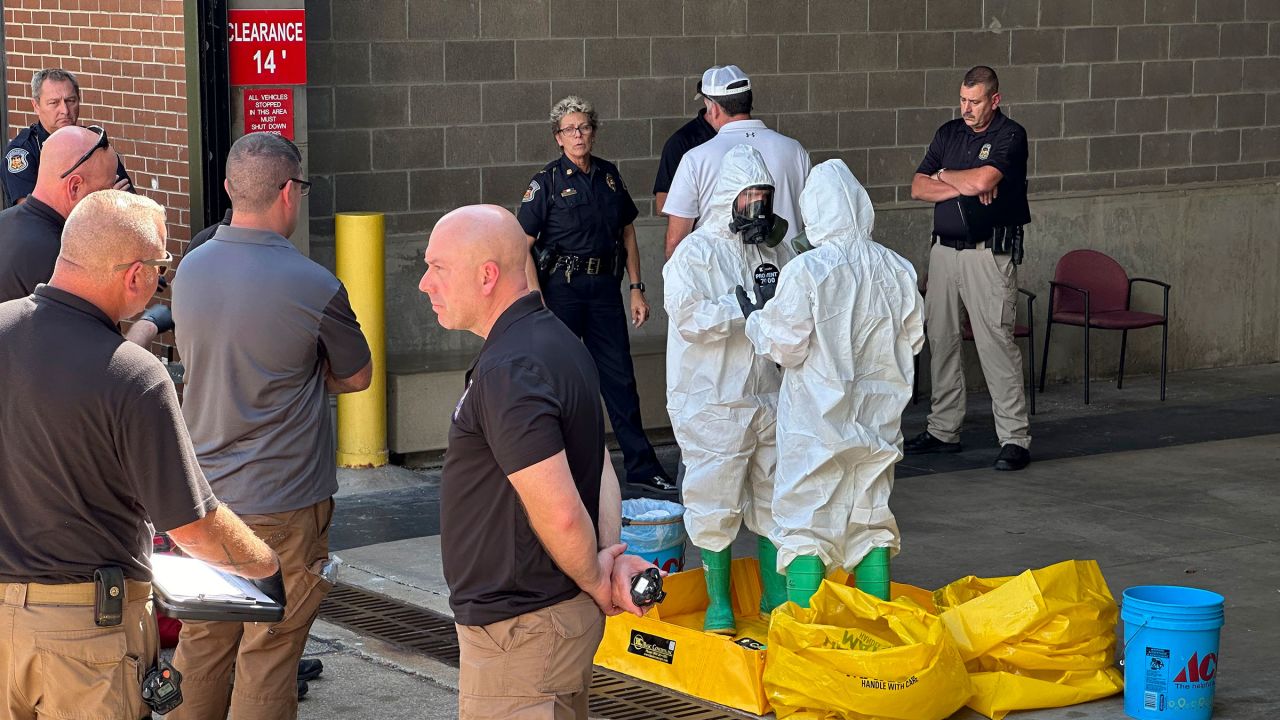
x=638 y=286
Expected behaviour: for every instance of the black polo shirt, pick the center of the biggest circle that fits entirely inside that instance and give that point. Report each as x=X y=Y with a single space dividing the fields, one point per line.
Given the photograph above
x=203 y=236
x=689 y=136
x=93 y=450
x=577 y=213
x=1003 y=145
x=22 y=163
x=30 y=239
x=531 y=392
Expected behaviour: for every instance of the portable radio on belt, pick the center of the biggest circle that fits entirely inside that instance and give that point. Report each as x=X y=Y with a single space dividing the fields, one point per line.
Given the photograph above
x=162 y=687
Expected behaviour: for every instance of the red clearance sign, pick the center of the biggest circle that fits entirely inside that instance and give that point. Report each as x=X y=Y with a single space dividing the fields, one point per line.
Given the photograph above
x=267 y=47
x=269 y=111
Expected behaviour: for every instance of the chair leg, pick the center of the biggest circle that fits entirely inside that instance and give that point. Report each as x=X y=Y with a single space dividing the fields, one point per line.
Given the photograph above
x=1164 y=355
x=1086 y=363
x=1044 y=359
x=1124 y=341
x=1031 y=361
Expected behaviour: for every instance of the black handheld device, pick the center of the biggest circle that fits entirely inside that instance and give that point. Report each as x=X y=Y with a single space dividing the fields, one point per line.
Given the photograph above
x=646 y=588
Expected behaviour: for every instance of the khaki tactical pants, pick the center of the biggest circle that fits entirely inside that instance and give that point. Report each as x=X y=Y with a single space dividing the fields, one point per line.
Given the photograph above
x=987 y=286
x=56 y=663
x=264 y=655
x=536 y=666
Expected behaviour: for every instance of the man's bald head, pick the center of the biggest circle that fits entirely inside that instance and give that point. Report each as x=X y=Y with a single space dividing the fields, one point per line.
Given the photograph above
x=110 y=228
x=476 y=259
x=60 y=152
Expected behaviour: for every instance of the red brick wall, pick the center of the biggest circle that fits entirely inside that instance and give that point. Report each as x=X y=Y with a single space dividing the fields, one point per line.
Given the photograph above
x=129 y=58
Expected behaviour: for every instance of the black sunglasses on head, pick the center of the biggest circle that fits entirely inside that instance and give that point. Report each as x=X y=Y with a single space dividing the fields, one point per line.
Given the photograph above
x=102 y=143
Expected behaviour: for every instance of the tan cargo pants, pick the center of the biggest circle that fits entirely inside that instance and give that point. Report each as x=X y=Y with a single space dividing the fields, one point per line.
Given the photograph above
x=56 y=663
x=536 y=666
x=986 y=285
x=264 y=655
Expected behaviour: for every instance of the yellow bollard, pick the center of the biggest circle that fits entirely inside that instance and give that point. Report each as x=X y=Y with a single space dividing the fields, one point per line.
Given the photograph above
x=362 y=416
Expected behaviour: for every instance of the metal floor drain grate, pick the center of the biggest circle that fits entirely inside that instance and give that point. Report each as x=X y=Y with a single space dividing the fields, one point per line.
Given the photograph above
x=613 y=695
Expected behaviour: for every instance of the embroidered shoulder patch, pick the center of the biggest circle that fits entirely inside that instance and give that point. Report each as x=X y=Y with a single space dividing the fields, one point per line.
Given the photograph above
x=531 y=191
x=16 y=160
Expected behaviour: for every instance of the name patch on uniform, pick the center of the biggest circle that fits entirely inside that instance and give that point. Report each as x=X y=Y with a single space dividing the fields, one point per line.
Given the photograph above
x=531 y=191
x=608 y=180
x=985 y=152
x=16 y=160
x=567 y=192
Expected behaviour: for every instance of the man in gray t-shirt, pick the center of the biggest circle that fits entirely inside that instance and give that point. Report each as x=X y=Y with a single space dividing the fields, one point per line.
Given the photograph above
x=263 y=332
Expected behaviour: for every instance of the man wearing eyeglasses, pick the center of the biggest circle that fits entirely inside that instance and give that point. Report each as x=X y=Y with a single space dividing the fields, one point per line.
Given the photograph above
x=264 y=331
x=78 y=161
x=55 y=98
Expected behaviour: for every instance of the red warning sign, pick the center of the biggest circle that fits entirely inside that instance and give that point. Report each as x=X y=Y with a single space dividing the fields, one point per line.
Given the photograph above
x=267 y=47
x=269 y=110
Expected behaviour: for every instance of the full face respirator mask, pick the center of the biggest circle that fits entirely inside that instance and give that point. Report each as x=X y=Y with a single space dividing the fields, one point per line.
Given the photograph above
x=753 y=218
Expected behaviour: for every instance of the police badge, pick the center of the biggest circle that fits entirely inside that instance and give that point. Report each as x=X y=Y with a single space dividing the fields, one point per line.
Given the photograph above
x=985 y=152
x=16 y=160
x=608 y=180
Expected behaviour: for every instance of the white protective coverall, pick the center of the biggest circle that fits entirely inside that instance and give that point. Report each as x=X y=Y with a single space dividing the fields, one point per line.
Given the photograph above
x=721 y=396
x=845 y=322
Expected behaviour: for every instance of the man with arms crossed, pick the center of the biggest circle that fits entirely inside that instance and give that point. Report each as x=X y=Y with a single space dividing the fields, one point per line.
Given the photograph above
x=263 y=331
x=530 y=509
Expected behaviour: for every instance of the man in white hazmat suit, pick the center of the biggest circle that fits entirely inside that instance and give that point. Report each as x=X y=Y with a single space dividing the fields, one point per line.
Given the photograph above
x=844 y=324
x=721 y=396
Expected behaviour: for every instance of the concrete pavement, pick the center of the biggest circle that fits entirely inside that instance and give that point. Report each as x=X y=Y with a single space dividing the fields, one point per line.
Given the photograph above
x=1182 y=492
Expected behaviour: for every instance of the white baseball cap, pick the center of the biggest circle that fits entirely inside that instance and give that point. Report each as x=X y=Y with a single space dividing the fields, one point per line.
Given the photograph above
x=723 y=80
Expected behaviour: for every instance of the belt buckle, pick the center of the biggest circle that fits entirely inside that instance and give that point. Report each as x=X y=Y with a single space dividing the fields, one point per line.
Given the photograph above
x=593 y=266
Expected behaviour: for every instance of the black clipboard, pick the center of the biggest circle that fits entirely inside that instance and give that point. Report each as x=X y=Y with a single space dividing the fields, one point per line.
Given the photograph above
x=188 y=589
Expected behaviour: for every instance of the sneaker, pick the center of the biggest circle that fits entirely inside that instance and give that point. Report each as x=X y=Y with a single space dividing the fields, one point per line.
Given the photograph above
x=925 y=443
x=1013 y=457
x=659 y=484
x=309 y=669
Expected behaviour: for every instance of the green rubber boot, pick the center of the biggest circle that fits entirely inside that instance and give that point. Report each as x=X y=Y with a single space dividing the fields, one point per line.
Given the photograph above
x=720 y=608
x=872 y=574
x=804 y=576
x=772 y=582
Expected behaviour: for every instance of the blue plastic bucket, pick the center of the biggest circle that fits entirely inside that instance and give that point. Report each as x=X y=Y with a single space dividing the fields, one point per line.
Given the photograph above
x=1171 y=651
x=654 y=530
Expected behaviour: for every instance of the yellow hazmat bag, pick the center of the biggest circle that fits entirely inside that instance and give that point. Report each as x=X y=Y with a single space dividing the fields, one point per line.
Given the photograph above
x=1045 y=638
x=852 y=656
x=668 y=647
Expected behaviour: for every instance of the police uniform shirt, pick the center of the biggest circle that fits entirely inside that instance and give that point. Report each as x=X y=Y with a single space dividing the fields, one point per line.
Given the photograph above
x=531 y=393
x=1003 y=146
x=689 y=136
x=577 y=213
x=93 y=450
x=30 y=239
x=22 y=163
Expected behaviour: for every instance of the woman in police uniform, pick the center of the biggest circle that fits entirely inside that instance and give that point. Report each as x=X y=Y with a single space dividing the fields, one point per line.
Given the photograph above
x=578 y=216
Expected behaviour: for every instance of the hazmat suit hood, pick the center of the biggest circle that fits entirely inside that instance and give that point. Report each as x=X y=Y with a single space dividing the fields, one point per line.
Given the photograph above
x=742 y=167
x=835 y=204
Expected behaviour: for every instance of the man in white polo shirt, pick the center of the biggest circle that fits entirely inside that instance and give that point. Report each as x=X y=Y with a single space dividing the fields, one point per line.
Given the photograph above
x=726 y=91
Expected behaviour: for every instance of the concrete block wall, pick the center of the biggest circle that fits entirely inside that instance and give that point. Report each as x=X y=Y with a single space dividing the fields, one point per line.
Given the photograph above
x=418 y=106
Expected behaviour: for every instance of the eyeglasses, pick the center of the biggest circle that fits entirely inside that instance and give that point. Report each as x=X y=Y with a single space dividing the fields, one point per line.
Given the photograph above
x=102 y=143
x=303 y=185
x=161 y=264
x=576 y=130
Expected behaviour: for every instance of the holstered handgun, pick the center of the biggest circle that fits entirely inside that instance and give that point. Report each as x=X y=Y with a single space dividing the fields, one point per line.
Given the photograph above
x=1007 y=240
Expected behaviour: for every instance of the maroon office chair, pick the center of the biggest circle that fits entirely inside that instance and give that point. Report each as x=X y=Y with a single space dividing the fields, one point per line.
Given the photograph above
x=1091 y=290
x=1027 y=331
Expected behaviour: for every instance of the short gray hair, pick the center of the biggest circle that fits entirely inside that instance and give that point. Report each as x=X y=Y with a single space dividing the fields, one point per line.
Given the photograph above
x=257 y=165
x=111 y=227
x=572 y=104
x=54 y=74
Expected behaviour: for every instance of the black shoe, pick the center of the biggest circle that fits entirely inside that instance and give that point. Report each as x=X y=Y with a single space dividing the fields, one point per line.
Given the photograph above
x=309 y=669
x=925 y=443
x=1012 y=457
x=656 y=484
x=302 y=689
